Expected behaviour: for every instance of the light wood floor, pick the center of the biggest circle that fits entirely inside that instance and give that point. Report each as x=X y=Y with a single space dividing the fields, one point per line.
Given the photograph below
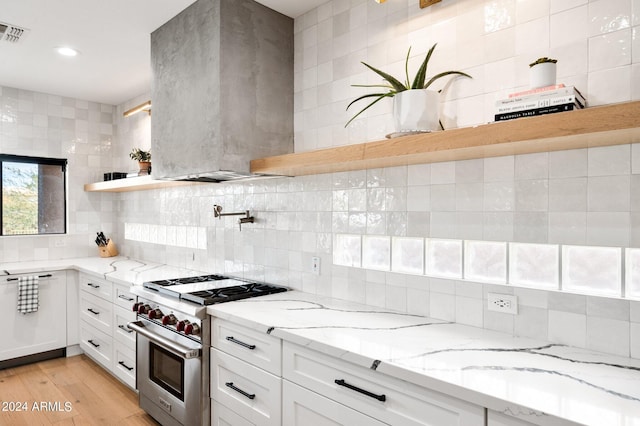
x=93 y=396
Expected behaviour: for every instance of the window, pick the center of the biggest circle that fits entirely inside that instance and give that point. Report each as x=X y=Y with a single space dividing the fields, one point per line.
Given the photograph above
x=33 y=195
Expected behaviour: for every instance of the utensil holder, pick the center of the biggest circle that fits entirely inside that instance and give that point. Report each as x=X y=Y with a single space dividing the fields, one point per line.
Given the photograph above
x=109 y=250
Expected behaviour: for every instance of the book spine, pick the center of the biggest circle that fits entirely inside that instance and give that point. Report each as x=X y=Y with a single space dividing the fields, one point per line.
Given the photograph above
x=565 y=91
x=538 y=90
x=535 y=111
x=539 y=103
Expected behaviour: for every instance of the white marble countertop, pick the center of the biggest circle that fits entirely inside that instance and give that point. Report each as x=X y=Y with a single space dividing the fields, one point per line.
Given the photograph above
x=118 y=269
x=536 y=381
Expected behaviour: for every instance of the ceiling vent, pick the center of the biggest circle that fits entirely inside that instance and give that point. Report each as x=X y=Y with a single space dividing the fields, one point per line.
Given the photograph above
x=11 y=33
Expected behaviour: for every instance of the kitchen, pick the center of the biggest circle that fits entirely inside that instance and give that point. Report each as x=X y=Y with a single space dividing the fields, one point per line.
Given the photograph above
x=561 y=199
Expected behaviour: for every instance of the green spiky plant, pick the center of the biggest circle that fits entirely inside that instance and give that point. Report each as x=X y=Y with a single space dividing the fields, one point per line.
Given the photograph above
x=394 y=85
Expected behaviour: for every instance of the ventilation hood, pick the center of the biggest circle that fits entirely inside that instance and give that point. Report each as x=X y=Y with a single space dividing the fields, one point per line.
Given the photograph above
x=222 y=90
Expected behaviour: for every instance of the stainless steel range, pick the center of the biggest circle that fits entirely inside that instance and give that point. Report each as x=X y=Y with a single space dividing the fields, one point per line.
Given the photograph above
x=173 y=339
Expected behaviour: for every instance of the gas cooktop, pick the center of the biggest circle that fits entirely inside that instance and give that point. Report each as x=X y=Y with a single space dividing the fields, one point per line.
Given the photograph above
x=211 y=289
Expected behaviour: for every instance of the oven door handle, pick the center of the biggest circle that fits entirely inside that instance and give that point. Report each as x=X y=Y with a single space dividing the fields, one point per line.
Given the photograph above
x=170 y=345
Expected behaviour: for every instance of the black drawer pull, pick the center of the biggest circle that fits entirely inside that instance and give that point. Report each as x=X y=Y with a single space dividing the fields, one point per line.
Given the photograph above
x=240 y=391
x=95 y=345
x=92 y=285
x=238 y=342
x=341 y=382
x=125 y=365
x=125 y=328
x=93 y=312
x=128 y=299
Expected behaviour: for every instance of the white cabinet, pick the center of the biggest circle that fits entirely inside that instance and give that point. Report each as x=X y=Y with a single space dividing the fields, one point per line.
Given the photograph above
x=105 y=311
x=222 y=416
x=124 y=347
x=497 y=419
x=377 y=395
x=301 y=407
x=35 y=332
x=246 y=387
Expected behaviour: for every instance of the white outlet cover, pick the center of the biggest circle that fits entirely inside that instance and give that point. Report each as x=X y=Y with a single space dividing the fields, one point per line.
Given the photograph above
x=505 y=303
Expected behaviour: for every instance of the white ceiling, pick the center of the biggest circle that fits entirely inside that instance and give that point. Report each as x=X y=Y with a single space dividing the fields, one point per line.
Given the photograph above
x=111 y=35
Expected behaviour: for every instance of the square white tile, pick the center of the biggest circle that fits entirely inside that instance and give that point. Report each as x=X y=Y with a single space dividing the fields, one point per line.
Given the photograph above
x=485 y=261
x=632 y=273
x=407 y=255
x=592 y=270
x=347 y=250
x=376 y=252
x=443 y=258
x=534 y=265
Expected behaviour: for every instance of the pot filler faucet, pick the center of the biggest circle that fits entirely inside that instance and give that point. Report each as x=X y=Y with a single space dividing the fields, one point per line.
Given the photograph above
x=217 y=212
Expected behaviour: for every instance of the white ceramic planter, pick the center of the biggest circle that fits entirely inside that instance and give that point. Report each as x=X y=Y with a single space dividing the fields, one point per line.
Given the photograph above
x=416 y=111
x=542 y=75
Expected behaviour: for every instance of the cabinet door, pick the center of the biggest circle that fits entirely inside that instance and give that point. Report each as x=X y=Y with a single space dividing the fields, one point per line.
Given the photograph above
x=35 y=332
x=259 y=349
x=97 y=312
x=301 y=407
x=222 y=416
x=121 y=332
x=374 y=393
x=246 y=389
x=96 y=344
x=96 y=286
x=496 y=419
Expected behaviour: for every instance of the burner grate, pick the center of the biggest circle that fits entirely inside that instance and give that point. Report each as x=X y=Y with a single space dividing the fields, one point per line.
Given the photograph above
x=228 y=294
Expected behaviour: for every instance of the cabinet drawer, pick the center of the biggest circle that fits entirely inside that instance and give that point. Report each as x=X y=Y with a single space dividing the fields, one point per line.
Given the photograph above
x=122 y=333
x=123 y=297
x=389 y=400
x=222 y=416
x=301 y=407
x=96 y=344
x=246 y=389
x=96 y=286
x=124 y=364
x=259 y=349
x=97 y=312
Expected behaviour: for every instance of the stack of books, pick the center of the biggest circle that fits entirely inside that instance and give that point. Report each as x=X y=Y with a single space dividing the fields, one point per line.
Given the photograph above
x=544 y=100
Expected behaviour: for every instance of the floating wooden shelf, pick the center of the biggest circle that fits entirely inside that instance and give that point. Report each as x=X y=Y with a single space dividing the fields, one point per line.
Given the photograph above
x=138 y=183
x=613 y=124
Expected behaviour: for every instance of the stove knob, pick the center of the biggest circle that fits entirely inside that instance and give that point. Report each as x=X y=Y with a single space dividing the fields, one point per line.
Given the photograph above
x=143 y=309
x=155 y=314
x=136 y=306
x=169 y=319
x=182 y=324
x=192 y=329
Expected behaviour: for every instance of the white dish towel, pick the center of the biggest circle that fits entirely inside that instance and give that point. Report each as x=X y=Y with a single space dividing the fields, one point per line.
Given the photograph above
x=28 y=294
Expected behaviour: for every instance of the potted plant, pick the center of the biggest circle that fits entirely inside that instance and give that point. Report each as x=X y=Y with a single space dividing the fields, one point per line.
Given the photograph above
x=542 y=72
x=414 y=108
x=144 y=160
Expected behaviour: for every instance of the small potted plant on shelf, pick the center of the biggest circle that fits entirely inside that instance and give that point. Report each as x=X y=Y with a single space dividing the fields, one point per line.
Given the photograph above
x=144 y=160
x=415 y=109
x=542 y=72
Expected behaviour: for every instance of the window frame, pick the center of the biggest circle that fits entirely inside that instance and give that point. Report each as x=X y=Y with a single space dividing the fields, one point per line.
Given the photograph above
x=47 y=161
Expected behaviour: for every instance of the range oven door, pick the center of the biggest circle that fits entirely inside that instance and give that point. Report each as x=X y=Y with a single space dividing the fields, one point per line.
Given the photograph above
x=169 y=374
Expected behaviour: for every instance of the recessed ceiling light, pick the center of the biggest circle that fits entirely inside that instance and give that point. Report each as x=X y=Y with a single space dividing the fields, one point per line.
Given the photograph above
x=66 y=51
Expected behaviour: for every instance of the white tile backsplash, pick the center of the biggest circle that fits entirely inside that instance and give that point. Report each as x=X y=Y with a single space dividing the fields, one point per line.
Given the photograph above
x=407 y=255
x=534 y=265
x=485 y=261
x=557 y=198
x=443 y=258
x=594 y=270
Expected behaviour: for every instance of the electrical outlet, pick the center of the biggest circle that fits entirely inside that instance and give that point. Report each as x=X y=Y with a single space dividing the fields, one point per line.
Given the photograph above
x=506 y=303
x=315 y=265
